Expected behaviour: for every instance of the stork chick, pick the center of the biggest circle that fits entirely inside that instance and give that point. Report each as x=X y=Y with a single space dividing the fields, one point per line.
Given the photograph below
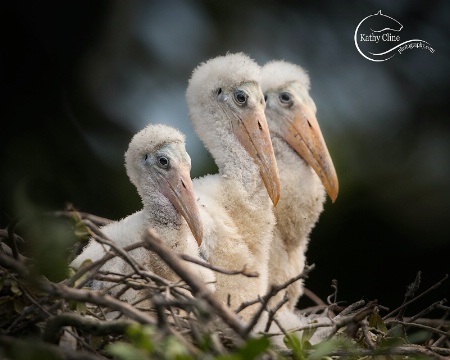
x=159 y=166
x=226 y=106
x=306 y=170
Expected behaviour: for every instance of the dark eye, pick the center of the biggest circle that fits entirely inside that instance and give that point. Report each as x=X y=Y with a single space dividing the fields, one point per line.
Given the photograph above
x=163 y=161
x=285 y=98
x=240 y=97
x=265 y=98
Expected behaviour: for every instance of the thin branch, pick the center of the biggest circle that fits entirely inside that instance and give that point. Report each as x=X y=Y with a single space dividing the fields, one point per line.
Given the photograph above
x=431 y=288
x=317 y=300
x=11 y=348
x=199 y=288
x=97 y=220
x=332 y=299
x=55 y=324
x=425 y=327
x=274 y=310
x=412 y=288
x=205 y=264
x=91 y=296
x=432 y=352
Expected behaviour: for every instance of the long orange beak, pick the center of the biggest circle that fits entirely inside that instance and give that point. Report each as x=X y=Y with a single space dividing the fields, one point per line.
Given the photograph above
x=304 y=135
x=178 y=188
x=252 y=132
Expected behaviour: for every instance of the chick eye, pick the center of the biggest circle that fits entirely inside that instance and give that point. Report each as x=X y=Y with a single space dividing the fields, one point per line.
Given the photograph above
x=163 y=161
x=285 y=98
x=240 y=97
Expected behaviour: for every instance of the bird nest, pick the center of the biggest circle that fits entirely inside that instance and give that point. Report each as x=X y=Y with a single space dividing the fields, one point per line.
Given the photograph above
x=45 y=316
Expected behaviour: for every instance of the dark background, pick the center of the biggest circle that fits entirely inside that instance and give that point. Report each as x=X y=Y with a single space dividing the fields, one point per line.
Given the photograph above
x=78 y=79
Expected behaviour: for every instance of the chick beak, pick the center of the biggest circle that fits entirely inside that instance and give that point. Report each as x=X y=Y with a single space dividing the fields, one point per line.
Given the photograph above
x=178 y=188
x=252 y=132
x=304 y=135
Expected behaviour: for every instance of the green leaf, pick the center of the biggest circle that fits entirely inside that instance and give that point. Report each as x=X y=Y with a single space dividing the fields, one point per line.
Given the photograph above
x=123 y=351
x=253 y=348
x=81 y=308
x=175 y=350
x=15 y=288
x=377 y=322
x=81 y=231
x=294 y=343
x=141 y=336
x=18 y=306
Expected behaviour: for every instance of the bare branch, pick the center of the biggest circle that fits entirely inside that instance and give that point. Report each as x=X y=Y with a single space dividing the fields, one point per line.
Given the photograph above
x=11 y=348
x=199 y=288
x=55 y=324
x=205 y=264
x=431 y=288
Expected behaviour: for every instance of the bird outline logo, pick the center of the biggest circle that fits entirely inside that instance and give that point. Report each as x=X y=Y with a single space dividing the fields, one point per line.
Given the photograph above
x=380 y=31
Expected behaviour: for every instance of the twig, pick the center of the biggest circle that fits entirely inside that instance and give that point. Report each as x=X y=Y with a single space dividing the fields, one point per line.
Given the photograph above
x=274 y=290
x=406 y=350
x=98 y=298
x=334 y=285
x=317 y=300
x=425 y=327
x=412 y=288
x=94 y=266
x=12 y=349
x=431 y=288
x=91 y=296
x=97 y=220
x=12 y=238
x=365 y=330
x=55 y=324
x=205 y=264
x=274 y=310
x=154 y=243
x=428 y=309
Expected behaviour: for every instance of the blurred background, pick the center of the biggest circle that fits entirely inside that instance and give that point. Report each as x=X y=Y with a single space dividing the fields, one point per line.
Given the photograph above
x=78 y=79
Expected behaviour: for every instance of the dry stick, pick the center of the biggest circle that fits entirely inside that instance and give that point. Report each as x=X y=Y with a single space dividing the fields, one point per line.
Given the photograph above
x=123 y=253
x=431 y=352
x=97 y=264
x=419 y=315
x=429 y=328
x=334 y=285
x=155 y=244
x=205 y=264
x=273 y=290
x=97 y=220
x=55 y=324
x=11 y=348
x=12 y=238
x=28 y=310
x=98 y=298
x=365 y=329
x=352 y=307
x=317 y=300
x=445 y=308
x=274 y=310
x=417 y=297
x=102 y=239
x=342 y=320
x=412 y=288
x=428 y=309
x=63 y=291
